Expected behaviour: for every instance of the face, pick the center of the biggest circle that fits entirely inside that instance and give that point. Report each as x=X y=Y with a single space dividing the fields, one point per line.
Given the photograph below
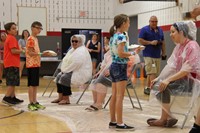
x=94 y=37
x=175 y=35
x=37 y=29
x=126 y=25
x=75 y=42
x=3 y=37
x=26 y=34
x=153 y=22
x=13 y=30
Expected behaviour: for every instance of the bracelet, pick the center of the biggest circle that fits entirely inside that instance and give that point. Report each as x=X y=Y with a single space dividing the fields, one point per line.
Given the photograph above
x=39 y=54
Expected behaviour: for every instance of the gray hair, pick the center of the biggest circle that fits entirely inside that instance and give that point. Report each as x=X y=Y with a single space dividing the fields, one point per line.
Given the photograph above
x=80 y=37
x=188 y=27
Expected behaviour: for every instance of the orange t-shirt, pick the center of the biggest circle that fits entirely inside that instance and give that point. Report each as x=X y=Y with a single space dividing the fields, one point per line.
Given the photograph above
x=32 y=61
x=10 y=59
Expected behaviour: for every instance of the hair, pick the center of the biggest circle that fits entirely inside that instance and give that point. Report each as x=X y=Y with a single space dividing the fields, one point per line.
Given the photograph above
x=8 y=26
x=3 y=33
x=36 y=23
x=96 y=34
x=118 y=21
x=107 y=37
x=80 y=37
x=23 y=33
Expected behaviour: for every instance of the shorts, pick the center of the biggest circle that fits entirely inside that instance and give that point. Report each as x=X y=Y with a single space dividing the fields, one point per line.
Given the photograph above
x=12 y=76
x=22 y=58
x=152 y=65
x=94 y=60
x=33 y=76
x=118 y=72
x=64 y=79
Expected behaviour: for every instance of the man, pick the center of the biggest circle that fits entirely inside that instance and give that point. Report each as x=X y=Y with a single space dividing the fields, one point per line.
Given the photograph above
x=152 y=37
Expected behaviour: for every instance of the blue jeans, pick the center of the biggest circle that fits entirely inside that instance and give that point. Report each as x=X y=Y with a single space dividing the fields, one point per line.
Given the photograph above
x=118 y=72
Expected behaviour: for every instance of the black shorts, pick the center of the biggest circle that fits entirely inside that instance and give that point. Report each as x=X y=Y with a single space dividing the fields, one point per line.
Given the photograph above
x=23 y=59
x=33 y=76
x=12 y=76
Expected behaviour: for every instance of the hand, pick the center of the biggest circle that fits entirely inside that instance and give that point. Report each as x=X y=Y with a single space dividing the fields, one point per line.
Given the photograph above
x=154 y=42
x=46 y=53
x=106 y=73
x=137 y=50
x=90 y=50
x=164 y=57
x=153 y=82
x=163 y=85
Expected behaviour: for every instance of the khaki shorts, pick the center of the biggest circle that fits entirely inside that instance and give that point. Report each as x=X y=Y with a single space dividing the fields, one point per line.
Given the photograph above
x=152 y=65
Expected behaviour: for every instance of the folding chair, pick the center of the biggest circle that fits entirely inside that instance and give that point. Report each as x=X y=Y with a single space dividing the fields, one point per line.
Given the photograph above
x=129 y=84
x=51 y=78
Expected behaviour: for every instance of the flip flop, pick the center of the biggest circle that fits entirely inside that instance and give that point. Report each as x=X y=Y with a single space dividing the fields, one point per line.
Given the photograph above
x=62 y=102
x=171 y=122
x=151 y=122
x=95 y=108
x=55 y=101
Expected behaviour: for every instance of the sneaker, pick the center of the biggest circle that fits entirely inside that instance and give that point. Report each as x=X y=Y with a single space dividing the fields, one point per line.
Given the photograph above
x=8 y=100
x=17 y=100
x=124 y=128
x=0 y=81
x=147 y=91
x=32 y=107
x=112 y=124
x=39 y=106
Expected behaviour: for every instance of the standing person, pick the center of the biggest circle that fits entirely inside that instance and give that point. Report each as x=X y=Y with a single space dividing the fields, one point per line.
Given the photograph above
x=2 y=42
x=11 y=64
x=118 y=70
x=94 y=47
x=22 y=44
x=33 y=64
x=152 y=37
x=106 y=43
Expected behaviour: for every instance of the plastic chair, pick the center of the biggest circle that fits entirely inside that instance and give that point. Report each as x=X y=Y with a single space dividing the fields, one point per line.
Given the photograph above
x=129 y=84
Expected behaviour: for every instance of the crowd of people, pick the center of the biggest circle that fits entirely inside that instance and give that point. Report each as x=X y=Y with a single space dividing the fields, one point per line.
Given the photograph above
x=181 y=74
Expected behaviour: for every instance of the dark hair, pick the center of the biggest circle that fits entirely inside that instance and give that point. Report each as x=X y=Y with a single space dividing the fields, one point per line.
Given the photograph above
x=8 y=26
x=118 y=21
x=36 y=23
x=2 y=33
x=107 y=37
x=176 y=26
x=23 y=33
x=95 y=34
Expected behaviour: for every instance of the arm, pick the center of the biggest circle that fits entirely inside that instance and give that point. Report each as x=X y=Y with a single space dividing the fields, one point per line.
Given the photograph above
x=145 y=42
x=98 y=50
x=163 y=48
x=121 y=52
x=17 y=51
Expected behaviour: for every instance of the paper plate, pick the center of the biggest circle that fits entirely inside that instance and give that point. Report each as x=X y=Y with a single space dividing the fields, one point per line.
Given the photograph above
x=134 y=46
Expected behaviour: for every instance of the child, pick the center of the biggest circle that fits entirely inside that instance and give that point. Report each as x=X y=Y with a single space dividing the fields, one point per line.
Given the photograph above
x=33 y=64
x=118 y=70
x=11 y=64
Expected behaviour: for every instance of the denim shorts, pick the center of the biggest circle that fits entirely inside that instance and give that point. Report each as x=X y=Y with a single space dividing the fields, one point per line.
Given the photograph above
x=118 y=72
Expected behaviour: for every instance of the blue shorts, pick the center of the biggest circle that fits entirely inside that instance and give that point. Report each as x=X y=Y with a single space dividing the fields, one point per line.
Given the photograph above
x=118 y=72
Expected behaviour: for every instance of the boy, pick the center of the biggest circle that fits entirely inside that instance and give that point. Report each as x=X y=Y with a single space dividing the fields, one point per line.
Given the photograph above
x=33 y=64
x=11 y=63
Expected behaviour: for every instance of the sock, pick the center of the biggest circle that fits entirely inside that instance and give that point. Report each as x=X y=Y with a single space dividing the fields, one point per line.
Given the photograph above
x=121 y=124
x=196 y=126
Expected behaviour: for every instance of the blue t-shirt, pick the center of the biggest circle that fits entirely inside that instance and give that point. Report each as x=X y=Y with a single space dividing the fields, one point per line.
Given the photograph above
x=149 y=34
x=114 y=42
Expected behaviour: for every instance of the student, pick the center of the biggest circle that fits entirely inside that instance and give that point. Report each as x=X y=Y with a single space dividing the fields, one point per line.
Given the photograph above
x=118 y=70
x=33 y=64
x=11 y=64
x=2 y=41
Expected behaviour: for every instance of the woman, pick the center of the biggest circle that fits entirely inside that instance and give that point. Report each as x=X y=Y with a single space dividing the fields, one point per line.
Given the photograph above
x=106 y=43
x=76 y=69
x=181 y=74
x=94 y=47
x=100 y=84
x=22 y=44
x=2 y=41
x=118 y=70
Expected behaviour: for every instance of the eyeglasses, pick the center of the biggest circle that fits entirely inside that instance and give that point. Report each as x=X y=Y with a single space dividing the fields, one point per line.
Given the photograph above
x=39 y=28
x=74 y=41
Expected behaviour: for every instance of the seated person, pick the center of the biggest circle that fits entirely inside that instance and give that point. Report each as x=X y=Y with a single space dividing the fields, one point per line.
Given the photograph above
x=76 y=69
x=181 y=74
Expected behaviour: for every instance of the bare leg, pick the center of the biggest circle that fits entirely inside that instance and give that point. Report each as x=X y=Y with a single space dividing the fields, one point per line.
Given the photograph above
x=22 y=63
x=1 y=71
x=119 y=100
x=10 y=91
x=101 y=94
x=198 y=118
x=113 y=103
x=32 y=92
x=94 y=93
x=94 y=64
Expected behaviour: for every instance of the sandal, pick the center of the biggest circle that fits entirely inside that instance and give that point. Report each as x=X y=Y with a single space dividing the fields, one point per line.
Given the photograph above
x=92 y=108
x=171 y=122
x=63 y=102
x=152 y=121
x=55 y=101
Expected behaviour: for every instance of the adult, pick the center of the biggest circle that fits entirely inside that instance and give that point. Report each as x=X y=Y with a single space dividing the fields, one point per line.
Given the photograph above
x=76 y=69
x=181 y=74
x=152 y=37
x=2 y=41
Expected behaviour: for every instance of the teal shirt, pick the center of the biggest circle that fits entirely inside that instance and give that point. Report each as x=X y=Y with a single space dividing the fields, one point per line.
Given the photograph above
x=114 y=42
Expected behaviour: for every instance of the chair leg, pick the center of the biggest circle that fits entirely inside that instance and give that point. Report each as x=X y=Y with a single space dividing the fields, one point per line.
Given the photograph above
x=51 y=92
x=107 y=102
x=130 y=97
x=140 y=107
x=83 y=93
x=47 y=87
